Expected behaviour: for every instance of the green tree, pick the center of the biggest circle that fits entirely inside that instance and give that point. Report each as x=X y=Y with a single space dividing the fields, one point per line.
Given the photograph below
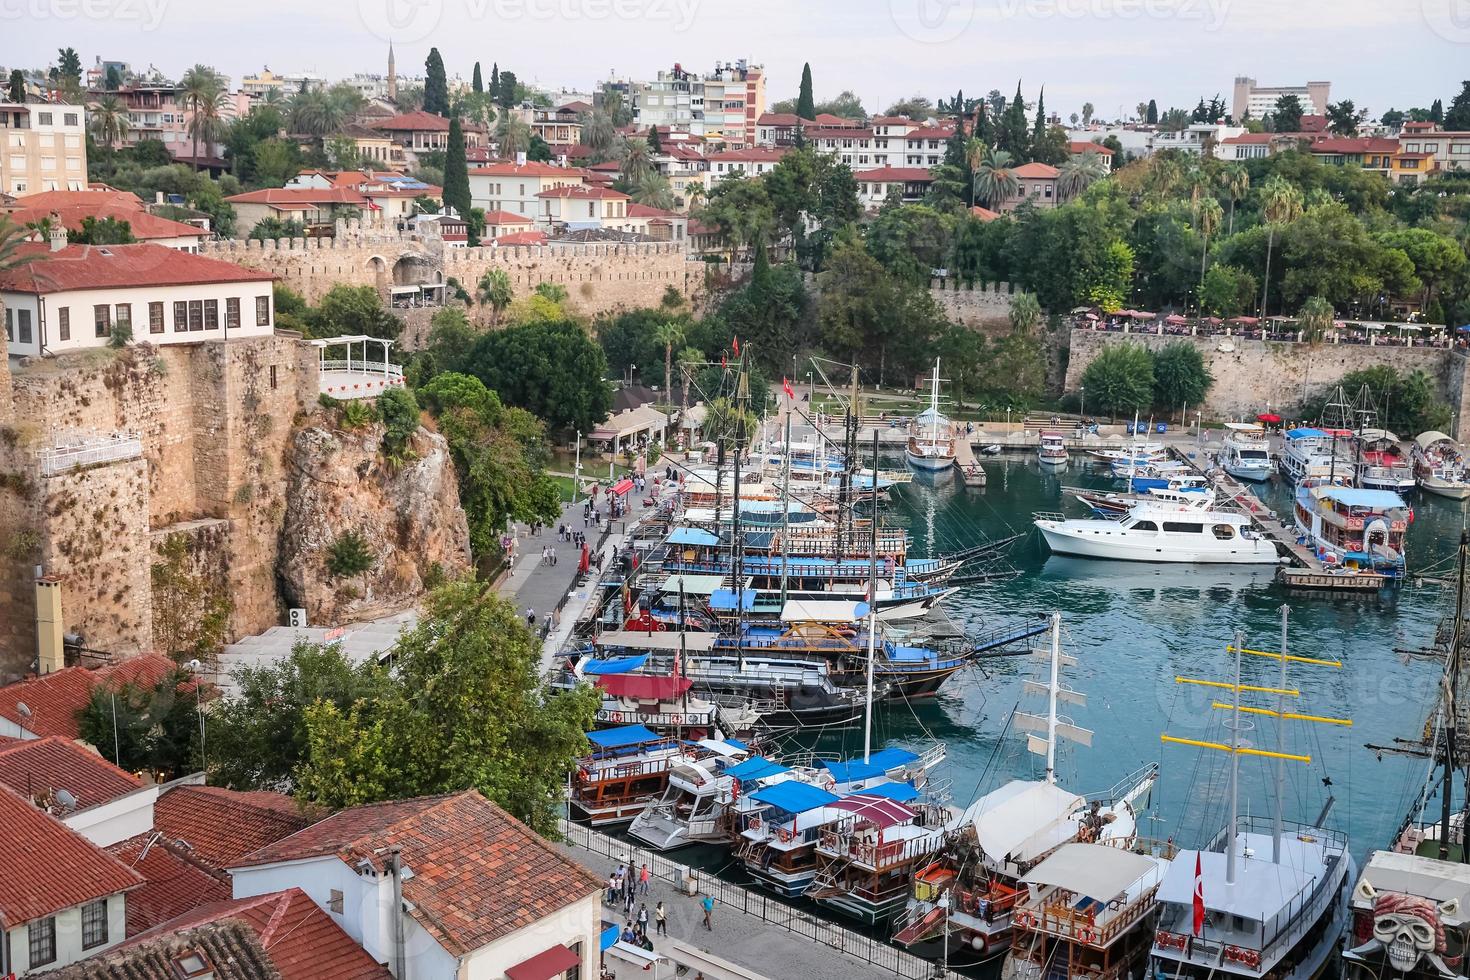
x=1016 y=372
x=106 y=231
x=353 y=310
x=494 y=291
x=399 y=412
x=1120 y=380
x=1013 y=133
x=911 y=242
x=806 y=107
x=436 y=85
x=1287 y=116
x=1343 y=119
x=276 y=161
x=1457 y=119
x=1235 y=182
x=670 y=333
x=1153 y=113
x=1025 y=313
x=203 y=95
x=1280 y=203
x=477 y=85
x=274 y=229
x=68 y=72
x=145 y=728
x=1227 y=290
x=1180 y=376
x=1207 y=218
x=190 y=617
x=1315 y=319
x=512 y=136
x=995 y=181
x=509 y=89
x=108 y=118
x=17 y=85
x=457 y=177
x=551 y=369
x=1079 y=172
x=1110 y=281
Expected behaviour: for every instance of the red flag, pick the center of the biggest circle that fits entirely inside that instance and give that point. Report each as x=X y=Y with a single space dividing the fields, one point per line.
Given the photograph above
x=786 y=387
x=1199 y=897
x=722 y=359
x=736 y=345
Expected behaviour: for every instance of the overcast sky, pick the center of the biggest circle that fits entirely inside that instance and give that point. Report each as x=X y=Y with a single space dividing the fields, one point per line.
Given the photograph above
x=1113 y=53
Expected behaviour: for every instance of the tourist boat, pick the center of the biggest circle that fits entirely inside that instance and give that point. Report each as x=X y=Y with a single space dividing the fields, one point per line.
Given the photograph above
x=1052 y=450
x=1087 y=913
x=1155 y=533
x=662 y=702
x=1410 y=917
x=694 y=808
x=627 y=767
x=867 y=857
x=1267 y=897
x=1381 y=466
x=931 y=435
x=1144 y=452
x=1246 y=454
x=1317 y=455
x=1113 y=504
x=1440 y=466
x=1352 y=528
x=721 y=605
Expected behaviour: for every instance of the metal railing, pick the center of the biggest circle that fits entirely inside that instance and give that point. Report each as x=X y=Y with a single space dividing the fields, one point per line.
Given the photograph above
x=90 y=449
x=364 y=367
x=767 y=908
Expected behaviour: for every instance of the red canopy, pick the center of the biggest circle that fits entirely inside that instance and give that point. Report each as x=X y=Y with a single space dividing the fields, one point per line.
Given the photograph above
x=622 y=486
x=879 y=810
x=1175 y=318
x=1143 y=315
x=544 y=965
x=1268 y=417
x=1247 y=320
x=1214 y=319
x=643 y=687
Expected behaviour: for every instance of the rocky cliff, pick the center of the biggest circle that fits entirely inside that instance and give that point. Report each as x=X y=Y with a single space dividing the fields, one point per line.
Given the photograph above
x=407 y=516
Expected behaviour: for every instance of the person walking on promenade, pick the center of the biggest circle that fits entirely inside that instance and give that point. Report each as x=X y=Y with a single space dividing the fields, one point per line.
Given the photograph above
x=660 y=920
x=709 y=907
x=643 y=878
x=642 y=919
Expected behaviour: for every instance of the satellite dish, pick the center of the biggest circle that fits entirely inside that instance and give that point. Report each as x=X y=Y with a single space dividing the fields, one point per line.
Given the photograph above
x=23 y=709
x=65 y=798
x=194 y=664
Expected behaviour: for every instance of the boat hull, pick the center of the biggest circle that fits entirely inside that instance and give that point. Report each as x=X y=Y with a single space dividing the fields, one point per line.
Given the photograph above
x=1255 y=472
x=1445 y=488
x=931 y=464
x=1084 y=543
x=869 y=913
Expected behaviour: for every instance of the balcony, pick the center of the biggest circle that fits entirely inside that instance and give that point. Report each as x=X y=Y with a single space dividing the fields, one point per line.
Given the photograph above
x=351 y=378
x=77 y=450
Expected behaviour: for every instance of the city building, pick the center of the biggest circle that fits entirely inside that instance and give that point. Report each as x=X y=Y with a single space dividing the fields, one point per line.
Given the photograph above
x=44 y=148
x=75 y=298
x=750 y=162
x=78 y=787
x=560 y=126
x=1259 y=101
x=583 y=207
x=316 y=208
x=1199 y=139
x=472 y=892
x=874 y=185
x=923 y=146
x=1037 y=184
x=722 y=105
x=62 y=898
x=515 y=187
x=656 y=223
x=420 y=132
x=500 y=223
x=47 y=704
x=72 y=208
x=261 y=84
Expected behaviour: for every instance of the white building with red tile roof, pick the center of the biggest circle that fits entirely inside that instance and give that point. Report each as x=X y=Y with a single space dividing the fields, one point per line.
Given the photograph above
x=510 y=186
x=80 y=788
x=874 y=185
x=71 y=208
x=48 y=704
x=311 y=206
x=481 y=892
x=73 y=296
x=751 y=162
x=1037 y=183
x=666 y=226
x=583 y=207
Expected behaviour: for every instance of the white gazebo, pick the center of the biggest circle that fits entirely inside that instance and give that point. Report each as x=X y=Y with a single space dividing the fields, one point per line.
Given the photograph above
x=350 y=378
x=643 y=421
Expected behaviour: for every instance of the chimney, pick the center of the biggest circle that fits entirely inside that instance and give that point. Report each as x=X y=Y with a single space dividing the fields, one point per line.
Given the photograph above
x=158 y=197
x=58 y=233
x=520 y=158
x=49 y=632
x=395 y=868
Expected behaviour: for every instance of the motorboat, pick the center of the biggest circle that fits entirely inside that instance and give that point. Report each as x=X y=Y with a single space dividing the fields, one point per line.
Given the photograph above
x=1440 y=465
x=1052 y=450
x=1317 y=455
x=694 y=806
x=1150 y=532
x=994 y=449
x=931 y=435
x=1381 y=465
x=1246 y=454
x=1114 y=504
x=1353 y=528
x=627 y=767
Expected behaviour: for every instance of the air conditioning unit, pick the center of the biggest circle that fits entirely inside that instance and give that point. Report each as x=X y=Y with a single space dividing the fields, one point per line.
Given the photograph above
x=298 y=618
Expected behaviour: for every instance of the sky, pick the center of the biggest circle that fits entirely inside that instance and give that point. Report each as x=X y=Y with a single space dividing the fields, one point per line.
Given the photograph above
x=1113 y=53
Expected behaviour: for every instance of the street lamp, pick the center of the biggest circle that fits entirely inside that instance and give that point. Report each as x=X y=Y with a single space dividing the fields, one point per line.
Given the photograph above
x=1082 y=408
x=577 y=468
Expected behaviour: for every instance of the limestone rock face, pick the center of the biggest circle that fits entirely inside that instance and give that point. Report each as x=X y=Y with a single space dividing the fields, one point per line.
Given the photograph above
x=407 y=514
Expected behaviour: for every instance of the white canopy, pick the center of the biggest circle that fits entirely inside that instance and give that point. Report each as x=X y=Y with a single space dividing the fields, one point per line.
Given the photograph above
x=1243 y=426
x=1427 y=439
x=1095 y=870
x=1261 y=888
x=1022 y=819
x=823 y=611
x=693 y=584
x=667 y=640
x=1378 y=435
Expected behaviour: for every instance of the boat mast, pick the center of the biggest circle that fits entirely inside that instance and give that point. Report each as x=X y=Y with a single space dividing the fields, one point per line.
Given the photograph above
x=1234 y=766
x=1277 y=824
x=1451 y=708
x=737 y=535
x=934 y=406
x=872 y=606
x=1051 y=714
x=786 y=506
x=681 y=667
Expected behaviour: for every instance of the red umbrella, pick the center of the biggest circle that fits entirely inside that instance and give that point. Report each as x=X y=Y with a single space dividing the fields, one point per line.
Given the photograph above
x=1271 y=417
x=1247 y=320
x=1175 y=318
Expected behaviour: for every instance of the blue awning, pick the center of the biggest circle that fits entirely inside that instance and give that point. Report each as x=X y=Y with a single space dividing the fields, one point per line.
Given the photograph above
x=794 y=796
x=1360 y=497
x=1306 y=434
x=616 y=738
x=758 y=767
x=891 y=758
x=725 y=599
x=902 y=792
x=878 y=763
x=693 y=536
x=610 y=934
x=616 y=665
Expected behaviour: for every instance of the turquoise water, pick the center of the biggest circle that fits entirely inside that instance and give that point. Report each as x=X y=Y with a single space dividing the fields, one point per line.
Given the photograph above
x=1133 y=628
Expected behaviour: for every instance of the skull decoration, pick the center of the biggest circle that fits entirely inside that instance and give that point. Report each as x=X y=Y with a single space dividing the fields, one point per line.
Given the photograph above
x=1408 y=929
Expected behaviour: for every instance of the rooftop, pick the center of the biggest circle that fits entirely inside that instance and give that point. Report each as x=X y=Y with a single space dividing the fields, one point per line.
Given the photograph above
x=417 y=121
x=585 y=193
x=119 y=267
x=506 y=218
x=37 y=768
x=531 y=168
x=478 y=874
x=908 y=174
x=1035 y=171
x=53 y=700
x=174 y=881
x=143 y=225
x=220 y=826
x=301 y=196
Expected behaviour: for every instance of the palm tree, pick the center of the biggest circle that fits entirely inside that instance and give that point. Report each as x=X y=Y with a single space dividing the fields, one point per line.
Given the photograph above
x=1196 y=181
x=1314 y=318
x=975 y=149
x=109 y=121
x=1235 y=182
x=208 y=122
x=654 y=192
x=669 y=333
x=1207 y=217
x=494 y=291
x=512 y=135
x=689 y=358
x=318 y=114
x=1025 y=313
x=199 y=87
x=1079 y=172
x=598 y=132
x=1164 y=175
x=637 y=164
x=12 y=236
x=1280 y=202
x=995 y=181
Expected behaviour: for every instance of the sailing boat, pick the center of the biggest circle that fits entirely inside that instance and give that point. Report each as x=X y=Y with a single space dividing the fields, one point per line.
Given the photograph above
x=931 y=435
x=963 y=899
x=1226 y=909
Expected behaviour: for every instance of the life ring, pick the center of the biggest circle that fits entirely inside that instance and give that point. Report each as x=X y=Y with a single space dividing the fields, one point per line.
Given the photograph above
x=1024 y=919
x=1088 y=935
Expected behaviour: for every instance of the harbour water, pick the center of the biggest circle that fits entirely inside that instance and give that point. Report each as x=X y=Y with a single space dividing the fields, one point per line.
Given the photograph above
x=1134 y=628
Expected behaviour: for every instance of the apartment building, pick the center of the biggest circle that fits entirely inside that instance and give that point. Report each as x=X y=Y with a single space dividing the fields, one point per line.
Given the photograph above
x=156 y=111
x=45 y=148
x=1260 y=100
x=723 y=105
x=516 y=187
x=743 y=163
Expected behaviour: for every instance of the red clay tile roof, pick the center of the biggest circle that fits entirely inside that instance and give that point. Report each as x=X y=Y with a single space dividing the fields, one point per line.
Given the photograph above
x=174 y=882
x=1312 y=123
x=842 y=134
x=984 y=214
x=300 y=196
x=929 y=133
x=102 y=195
x=531 y=168
x=119 y=267
x=892 y=121
x=37 y=768
x=585 y=193
x=143 y=225
x=55 y=699
x=1250 y=138
x=782 y=119
x=881 y=174
x=1081 y=146
x=220 y=825
x=478 y=873
x=417 y=121
x=506 y=218
x=1361 y=144
x=827 y=119
x=50 y=867
x=300 y=938
x=576 y=105
x=522 y=238
x=229 y=947
x=644 y=211
x=1035 y=171
x=756 y=154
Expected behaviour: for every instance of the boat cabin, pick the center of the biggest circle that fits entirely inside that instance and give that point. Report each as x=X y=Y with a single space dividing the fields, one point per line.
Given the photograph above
x=1410 y=918
x=866 y=857
x=626 y=768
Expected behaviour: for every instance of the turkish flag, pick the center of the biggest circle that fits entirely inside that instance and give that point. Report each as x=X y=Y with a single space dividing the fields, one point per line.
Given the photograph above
x=1199 y=897
x=786 y=387
x=736 y=345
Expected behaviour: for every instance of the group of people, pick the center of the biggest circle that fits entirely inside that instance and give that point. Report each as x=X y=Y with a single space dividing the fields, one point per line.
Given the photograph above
x=624 y=887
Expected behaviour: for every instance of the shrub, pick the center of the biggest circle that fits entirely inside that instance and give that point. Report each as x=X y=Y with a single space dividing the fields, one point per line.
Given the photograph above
x=122 y=335
x=400 y=414
x=348 y=555
x=357 y=414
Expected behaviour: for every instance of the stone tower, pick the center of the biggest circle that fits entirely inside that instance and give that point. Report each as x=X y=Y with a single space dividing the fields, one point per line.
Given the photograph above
x=392 y=76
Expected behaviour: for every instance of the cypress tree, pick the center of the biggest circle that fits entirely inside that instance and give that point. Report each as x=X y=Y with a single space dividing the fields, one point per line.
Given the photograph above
x=436 y=86
x=494 y=80
x=982 y=123
x=457 y=176
x=1012 y=130
x=1436 y=111
x=954 y=150
x=806 y=107
x=1153 y=113
x=1039 y=129
x=654 y=145
x=17 y=85
x=507 y=94
x=477 y=84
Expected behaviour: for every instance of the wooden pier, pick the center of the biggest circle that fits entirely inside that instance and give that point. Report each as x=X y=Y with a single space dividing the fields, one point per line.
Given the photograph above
x=964 y=458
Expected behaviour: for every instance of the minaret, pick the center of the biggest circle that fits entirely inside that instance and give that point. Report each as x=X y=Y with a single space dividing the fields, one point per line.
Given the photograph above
x=392 y=76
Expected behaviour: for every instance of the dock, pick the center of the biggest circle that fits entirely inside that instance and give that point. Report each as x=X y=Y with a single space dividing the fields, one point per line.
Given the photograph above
x=964 y=459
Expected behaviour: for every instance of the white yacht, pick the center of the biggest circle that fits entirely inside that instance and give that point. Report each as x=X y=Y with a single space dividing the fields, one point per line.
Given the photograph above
x=1151 y=532
x=1318 y=455
x=1440 y=466
x=1246 y=454
x=931 y=435
x=695 y=805
x=1052 y=449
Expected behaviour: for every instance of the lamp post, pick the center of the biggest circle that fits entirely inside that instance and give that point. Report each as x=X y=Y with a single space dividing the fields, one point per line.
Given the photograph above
x=577 y=468
x=1082 y=407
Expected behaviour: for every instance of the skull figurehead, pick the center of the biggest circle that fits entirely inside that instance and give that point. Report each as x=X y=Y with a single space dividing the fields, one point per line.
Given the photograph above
x=1408 y=927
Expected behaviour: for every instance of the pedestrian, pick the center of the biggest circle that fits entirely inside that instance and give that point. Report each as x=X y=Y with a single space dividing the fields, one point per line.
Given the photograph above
x=546 y=627
x=660 y=920
x=628 y=900
x=556 y=619
x=530 y=617
x=709 y=907
x=612 y=890
x=643 y=877
x=642 y=918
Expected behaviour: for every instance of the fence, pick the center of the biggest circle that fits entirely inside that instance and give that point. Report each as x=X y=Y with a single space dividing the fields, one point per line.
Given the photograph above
x=767 y=908
x=89 y=450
